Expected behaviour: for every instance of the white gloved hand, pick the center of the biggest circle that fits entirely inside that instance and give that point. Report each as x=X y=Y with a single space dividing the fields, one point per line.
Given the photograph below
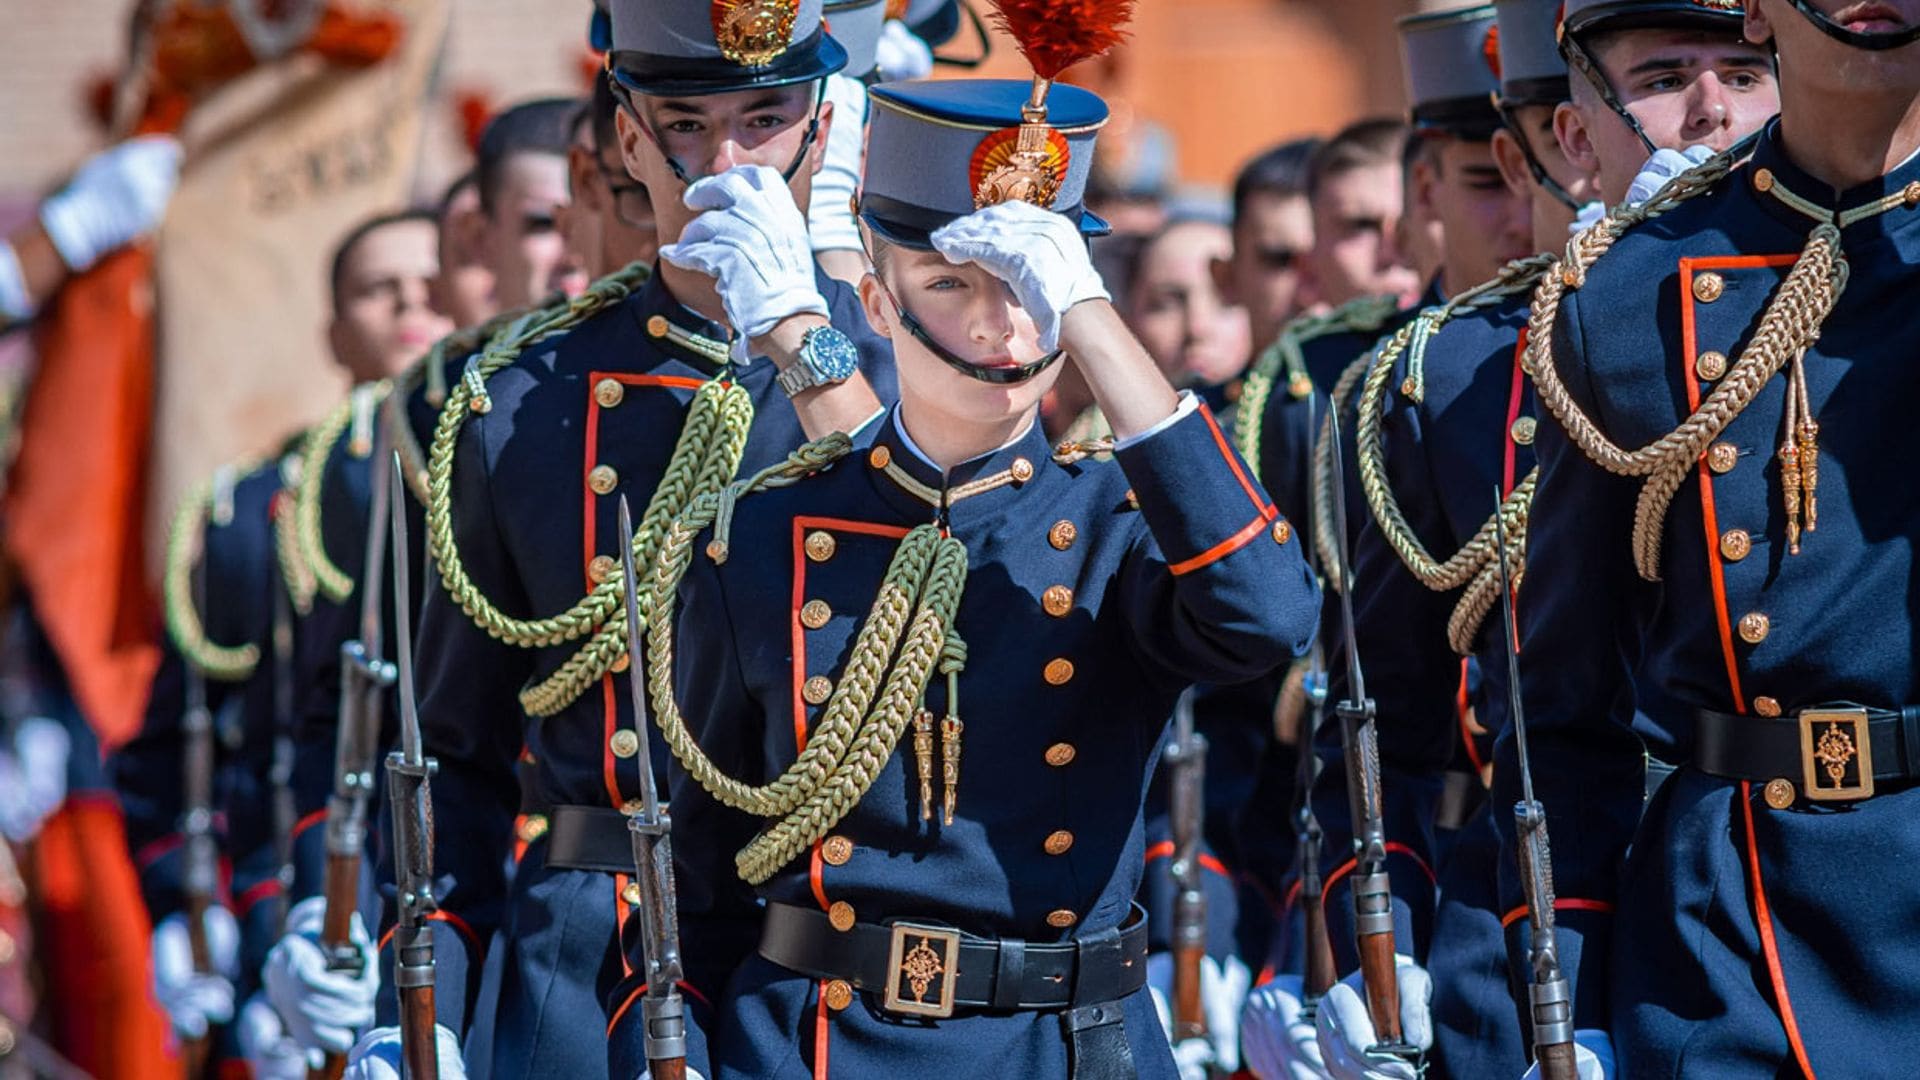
x=1588 y=216
x=1663 y=166
x=692 y=1074
x=377 y=1055
x=1222 y=991
x=1279 y=1042
x=323 y=1009
x=33 y=777
x=902 y=54
x=194 y=1000
x=269 y=1051
x=1592 y=1055
x=1039 y=254
x=118 y=194
x=1346 y=1031
x=753 y=242
x=830 y=209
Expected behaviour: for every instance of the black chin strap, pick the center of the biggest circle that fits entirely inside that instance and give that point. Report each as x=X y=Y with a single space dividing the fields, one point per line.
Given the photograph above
x=999 y=376
x=1511 y=118
x=1875 y=42
x=1583 y=61
x=980 y=34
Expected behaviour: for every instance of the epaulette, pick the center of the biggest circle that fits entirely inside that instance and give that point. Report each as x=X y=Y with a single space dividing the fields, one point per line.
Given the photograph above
x=1362 y=315
x=207 y=504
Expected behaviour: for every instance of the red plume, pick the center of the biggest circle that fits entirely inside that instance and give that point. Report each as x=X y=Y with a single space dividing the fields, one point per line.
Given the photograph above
x=1054 y=35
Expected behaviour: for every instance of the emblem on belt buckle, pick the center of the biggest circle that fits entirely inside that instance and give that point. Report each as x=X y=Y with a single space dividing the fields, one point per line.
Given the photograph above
x=922 y=965
x=1836 y=755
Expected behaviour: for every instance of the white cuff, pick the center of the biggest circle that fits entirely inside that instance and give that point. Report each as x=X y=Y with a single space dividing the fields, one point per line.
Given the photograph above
x=1189 y=401
x=15 y=304
x=868 y=422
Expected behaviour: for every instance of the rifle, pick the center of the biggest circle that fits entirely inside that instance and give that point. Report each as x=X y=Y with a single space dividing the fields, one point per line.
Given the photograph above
x=280 y=771
x=364 y=681
x=1186 y=759
x=1360 y=736
x=409 y=776
x=1319 y=976
x=1550 y=995
x=662 y=1011
x=200 y=858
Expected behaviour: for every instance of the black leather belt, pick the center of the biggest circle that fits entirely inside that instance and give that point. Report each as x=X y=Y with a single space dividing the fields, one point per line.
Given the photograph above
x=921 y=969
x=589 y=838
x=1827 y=752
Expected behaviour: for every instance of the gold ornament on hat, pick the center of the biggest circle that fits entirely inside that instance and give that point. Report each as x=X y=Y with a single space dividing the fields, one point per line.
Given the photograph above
x=753 y=33
x=1023 y=164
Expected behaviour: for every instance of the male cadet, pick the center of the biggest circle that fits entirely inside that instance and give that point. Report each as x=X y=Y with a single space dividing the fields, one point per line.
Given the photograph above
x=724 y=121
x=942 y=876
x=464 y=290
x=521 y=175
x=231 y=615
x=1272 y=234
x=858 y=26
x=1716 y=508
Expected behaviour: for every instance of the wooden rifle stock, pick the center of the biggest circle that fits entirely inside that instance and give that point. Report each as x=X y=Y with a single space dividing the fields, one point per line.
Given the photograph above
x=1557 y=1062
x=1383 y=985
x=420 y=1049
x=336 y=934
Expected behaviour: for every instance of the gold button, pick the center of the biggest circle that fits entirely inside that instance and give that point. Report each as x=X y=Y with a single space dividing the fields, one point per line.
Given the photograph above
x=1282 y=531
x=880 y=457
x=1766 y=707
x=631 y=894
x=817 y=690
x=1022 y=470
x=814 y=614
x=603 y=479
x=1059 y=671
x=1754 y=627
x=1710 y=365
x=836 y=850
x=1061 y=919
x=533 y=828
x=820 y=546
x=657 y=326
x=839 y=994
x=1722 y=457
x=601 y=568
x=1735 y=545
x=1061 y=753
x=632 y=807
x=609 y=392
x=1523 y=429
x=841 y=916
x=1763 y=180
x=1058 y=842
x=1570 y=277
x=1779 y=793
x=1707 y=287
x=620 y=663
x=1062 y=535
x=1132 y=499
x=717 y=551
x=1057 y=601
x=625 y=743
x=1911 y=193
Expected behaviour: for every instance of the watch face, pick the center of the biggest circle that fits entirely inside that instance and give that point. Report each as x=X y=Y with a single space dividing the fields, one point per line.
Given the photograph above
x=831 y=354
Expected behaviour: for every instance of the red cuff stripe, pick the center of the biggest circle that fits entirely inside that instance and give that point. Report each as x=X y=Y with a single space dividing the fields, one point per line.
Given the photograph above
x=260 y=891
x=1560 y=903
x=156 y=850
x=1260 y=503
x=309 y=822
x=1228 y=546
x=1393 y=848
x=448 y=917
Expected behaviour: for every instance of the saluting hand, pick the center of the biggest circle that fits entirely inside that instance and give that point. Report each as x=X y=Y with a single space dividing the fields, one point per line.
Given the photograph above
x=1039 y=254
x=752 y=240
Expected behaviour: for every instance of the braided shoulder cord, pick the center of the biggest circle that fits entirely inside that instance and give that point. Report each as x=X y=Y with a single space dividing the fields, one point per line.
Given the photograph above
x=294 y=571
x=1790 y=324
x=185 y=543
x=430 y=369
x=1364 y=315
x=324 y=575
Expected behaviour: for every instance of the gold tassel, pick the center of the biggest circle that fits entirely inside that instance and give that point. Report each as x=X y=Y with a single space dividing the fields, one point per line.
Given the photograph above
x=1809 y=445
x=923 y=756
x=1790 y=466
x=950 y=729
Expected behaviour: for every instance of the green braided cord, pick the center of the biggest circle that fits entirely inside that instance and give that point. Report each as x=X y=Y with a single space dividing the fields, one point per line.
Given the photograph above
x=1363 y=315
x=189 y=635
x=332 y=582
x=469 y=395
x=463 y=342
x=714 y=438
x=301 y=588
x=880 y=732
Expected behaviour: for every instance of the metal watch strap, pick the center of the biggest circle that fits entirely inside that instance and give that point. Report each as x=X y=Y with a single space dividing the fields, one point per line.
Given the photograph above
x=798 y=378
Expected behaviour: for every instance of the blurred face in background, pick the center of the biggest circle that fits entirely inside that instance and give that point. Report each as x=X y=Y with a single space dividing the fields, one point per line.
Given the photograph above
x=1175 y=309
x=525 y=250
x=383 y=320
x=1457 y=183
x=1271 y=239
x=463 y=291
x=610 y=221
x=1356 y=227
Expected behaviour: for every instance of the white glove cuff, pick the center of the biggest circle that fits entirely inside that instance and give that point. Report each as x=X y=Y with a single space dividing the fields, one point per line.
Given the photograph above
x=15 y=304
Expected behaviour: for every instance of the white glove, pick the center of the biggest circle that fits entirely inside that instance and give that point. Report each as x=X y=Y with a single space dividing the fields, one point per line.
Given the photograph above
x=1588 y=216
x=269 y=1051
x=1222 y=990
x=902 y=54
x=1346 y=1031
x=1039 y=254
x=323 y=1009
x=830 y=209
x=1663 y=166
x=193 y=1000
x=1592 y=1056
x=33 y=777
x=118 y=194
x=692 y=1074
x=1280 y=1043
x=377 y=1055
x=753 y=242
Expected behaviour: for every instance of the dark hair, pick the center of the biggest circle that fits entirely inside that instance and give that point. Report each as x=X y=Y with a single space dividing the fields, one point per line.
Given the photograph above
x=461 y=183
x=534 y=127
x=337 y=272
x=1359 y=145
x=1281 y=170
x=603 y=106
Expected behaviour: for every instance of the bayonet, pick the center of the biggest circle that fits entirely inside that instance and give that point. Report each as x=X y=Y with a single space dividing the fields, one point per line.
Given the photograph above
x=1186 y=761
x=199 y=852
x=1319 y=975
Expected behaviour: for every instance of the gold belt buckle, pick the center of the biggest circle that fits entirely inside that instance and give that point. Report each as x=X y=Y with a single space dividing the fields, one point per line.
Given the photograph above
x=923 y=964
x=1836 y=755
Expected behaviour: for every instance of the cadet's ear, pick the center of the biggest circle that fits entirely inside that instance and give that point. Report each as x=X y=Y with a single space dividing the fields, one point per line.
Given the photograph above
x=1576 y=141
x=1512 y=161
x=580 y=169
x=1757 y=29
x=875 y=302
x=817 y=153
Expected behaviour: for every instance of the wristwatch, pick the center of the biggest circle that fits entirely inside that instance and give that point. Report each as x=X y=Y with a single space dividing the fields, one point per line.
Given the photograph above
x=827 y=356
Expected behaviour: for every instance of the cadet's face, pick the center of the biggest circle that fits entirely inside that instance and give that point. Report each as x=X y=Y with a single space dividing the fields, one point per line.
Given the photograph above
x=529 y=257
x=1550 y=216
x=1271 y=239
x=1485 y=224
x=973 y=315
x=464 y=290
x=383 y=320
x=1355 y=217
x=1684 y=87
x=710 y=134
x=1820 y=63
x=610 y=222
x=1194 y=337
